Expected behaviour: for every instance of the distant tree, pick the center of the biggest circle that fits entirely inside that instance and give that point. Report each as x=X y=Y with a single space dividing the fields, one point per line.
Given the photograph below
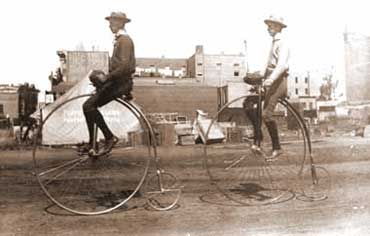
x=327 y=89
x=80 y=46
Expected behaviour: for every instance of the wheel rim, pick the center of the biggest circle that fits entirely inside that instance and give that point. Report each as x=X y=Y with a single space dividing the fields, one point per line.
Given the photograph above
x=243 y=175
x=162 y=191
x=91 y=186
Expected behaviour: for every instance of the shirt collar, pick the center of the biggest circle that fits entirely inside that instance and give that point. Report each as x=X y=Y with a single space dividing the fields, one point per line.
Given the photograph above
x=277 y=37
x=119 y=33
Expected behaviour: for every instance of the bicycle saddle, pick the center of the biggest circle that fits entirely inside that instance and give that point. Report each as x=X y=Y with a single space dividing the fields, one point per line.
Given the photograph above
x=253 y=78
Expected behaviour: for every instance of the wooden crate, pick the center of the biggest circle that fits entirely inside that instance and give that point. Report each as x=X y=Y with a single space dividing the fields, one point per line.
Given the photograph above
x=234 y=135
x=186 y=140
x=135 y=138
x=167 y=134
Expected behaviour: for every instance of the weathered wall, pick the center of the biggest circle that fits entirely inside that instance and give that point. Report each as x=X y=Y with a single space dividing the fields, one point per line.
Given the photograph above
x=357 y=52
x=10 y=104
x=176 y=98
x=79 y=63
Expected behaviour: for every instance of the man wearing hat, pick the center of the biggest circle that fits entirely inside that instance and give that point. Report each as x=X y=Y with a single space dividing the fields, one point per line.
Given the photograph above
x=116 y=83
x=275 y=82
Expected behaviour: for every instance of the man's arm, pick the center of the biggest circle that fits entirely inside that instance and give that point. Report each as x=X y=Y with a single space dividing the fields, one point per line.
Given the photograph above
x=121 y=61
x=282 y=64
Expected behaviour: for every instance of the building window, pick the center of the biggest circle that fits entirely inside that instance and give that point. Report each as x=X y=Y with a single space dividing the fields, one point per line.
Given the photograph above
x=199 y=64
x=236 y=64
x=218 y=64
x=296 y=80
x=296 y=91
x=1 y=109
x=311 y=106
x=236 y=73
x=306 y=91
x=199 y=74
x=306 y=80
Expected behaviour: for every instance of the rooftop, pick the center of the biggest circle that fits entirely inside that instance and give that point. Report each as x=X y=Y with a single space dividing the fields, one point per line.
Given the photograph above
x=158 y=81
x=173 y=63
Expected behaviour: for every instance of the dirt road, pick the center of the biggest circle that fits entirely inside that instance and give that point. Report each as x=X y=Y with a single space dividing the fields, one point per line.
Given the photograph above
x=202 y=210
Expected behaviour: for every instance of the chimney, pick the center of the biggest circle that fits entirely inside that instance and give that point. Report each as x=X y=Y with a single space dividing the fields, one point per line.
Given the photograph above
x=199 y=49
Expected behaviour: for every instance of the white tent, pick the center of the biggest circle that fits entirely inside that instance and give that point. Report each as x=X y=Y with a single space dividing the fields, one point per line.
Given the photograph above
x=67 y=125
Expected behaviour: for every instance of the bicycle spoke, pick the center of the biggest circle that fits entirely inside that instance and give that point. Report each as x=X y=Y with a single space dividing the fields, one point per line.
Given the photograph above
x=252 y=177
x=67 y=170
x=235 y=162
x=60 y=166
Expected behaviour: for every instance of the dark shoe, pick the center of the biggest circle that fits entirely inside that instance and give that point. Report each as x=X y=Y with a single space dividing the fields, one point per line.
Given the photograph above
x=274 y=155
x=109 y=144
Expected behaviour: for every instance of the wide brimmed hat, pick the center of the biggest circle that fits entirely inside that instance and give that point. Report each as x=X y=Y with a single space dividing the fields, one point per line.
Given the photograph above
x=276 y=20
x=118 y=15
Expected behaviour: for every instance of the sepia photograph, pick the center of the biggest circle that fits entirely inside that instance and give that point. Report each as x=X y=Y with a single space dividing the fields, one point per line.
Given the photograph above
x=185 y=118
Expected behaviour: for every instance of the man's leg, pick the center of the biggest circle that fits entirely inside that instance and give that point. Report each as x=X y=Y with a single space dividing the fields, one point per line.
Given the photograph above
x=127 y=88
x=251 y=111
x=274 y=134
x=93 y=116
x=278 y=90
x=88 y=106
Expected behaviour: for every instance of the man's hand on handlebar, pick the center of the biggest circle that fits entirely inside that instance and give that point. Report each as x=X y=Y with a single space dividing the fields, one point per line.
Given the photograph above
x=267 y=82
x=97 y=78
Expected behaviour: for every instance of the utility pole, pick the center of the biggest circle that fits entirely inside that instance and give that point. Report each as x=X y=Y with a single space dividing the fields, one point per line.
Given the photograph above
x=309 y=83
x=245 y=55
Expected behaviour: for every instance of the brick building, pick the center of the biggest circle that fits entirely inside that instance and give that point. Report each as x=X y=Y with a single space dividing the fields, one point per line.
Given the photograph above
x=9 y=101
x=220 y=70
x=161 y=67
x=216 y=69
x=18 y=101
x=75 y=65
x=357 y=65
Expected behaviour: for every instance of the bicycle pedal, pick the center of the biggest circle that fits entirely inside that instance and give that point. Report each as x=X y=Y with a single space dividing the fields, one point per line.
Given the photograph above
x=92 y=153
x=97 y=154
x=82 y=153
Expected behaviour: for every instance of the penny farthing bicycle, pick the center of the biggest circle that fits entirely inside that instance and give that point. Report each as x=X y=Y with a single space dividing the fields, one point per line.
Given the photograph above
x=91 y=184
x=247 y=176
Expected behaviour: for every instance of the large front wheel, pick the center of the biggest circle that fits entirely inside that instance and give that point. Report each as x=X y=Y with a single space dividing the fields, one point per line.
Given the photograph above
x=91 y=185
x=244 y=175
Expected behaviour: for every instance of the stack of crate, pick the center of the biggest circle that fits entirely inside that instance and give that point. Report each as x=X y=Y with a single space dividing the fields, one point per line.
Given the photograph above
x=234 y=135
x=167 y=134
x=184 y=134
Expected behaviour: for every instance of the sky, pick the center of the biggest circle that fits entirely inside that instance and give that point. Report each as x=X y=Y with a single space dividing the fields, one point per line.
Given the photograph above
x=32 y=31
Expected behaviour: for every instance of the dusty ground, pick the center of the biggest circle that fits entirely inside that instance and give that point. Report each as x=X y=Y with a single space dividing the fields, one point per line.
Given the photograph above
x=202 y=210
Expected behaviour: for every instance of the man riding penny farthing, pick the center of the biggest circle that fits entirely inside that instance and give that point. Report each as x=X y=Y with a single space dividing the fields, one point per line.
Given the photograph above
x=274 y=79
x=97 y=180
x=115 y=84
x=243 y=168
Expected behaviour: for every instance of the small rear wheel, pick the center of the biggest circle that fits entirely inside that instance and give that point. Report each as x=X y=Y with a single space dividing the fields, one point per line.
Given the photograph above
x=315 y=182
x=162 y=191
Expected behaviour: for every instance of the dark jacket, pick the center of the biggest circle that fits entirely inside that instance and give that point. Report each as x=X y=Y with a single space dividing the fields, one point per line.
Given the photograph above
x=122 y=63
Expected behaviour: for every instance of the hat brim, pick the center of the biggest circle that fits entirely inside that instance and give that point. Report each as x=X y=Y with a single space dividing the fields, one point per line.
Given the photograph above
x=267 y=22
x=126 y=20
